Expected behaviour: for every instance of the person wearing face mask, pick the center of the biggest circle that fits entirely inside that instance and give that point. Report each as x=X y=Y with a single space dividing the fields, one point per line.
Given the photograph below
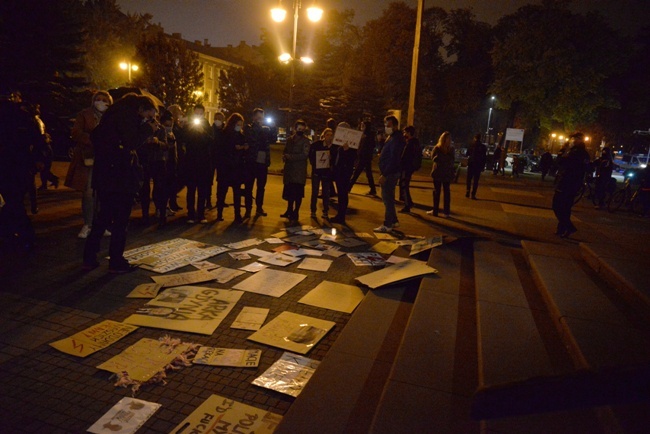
x=258 y=140
x=79 y=176
x=235 y=149
x=390 y=167
x=117 y=175
x=198 y=164
x=296 y=153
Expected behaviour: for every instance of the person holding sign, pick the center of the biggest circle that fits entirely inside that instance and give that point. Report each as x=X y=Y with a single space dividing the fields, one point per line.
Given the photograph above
x=343 y=158
x=296 y=153
x=319 y=157
x=390 y=167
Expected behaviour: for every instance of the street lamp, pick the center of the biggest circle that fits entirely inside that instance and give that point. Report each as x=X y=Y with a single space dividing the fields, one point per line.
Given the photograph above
x=278 y=14
x=128 y=66
x=487 y=132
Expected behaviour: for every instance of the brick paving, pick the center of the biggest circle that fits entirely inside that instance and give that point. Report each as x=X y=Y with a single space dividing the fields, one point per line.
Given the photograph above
x=44 y=296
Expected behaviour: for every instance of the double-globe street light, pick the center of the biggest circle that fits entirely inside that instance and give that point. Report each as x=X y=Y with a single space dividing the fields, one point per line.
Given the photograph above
x=278 y=14
x=128 y=66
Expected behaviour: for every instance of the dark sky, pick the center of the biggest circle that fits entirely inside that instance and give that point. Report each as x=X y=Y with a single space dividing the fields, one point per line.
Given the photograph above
x=225 y=22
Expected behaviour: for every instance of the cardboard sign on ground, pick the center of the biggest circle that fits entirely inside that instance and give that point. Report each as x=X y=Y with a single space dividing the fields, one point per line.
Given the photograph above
x=270 y=282
x=125 y=417
x=334 y=296
x=246 y=243
x=350 y=242
x=278 y=259
x=373 y=259
x=426 y=244
x=171 y=254
x=222 y=415
x=254 y=267
x=146 y=290
x=385 y=247
x=93 y=338
x=396 y=273
x=192 y=309
x=143 y=359
x=293 y=332
x=289 y=375
x=228 y=357
x=315 y=264
x=204 y=265
x=187 y=278
x=250 y=318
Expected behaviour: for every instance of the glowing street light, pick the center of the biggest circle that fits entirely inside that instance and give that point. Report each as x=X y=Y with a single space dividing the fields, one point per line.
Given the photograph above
x=307 y=60
x=128 y=66
x=278 y=14
x=314 y=13
x=285 y=58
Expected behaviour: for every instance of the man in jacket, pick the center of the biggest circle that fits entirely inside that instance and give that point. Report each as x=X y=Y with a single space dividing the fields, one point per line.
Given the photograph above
x=199 y=141
x=117 y=174
x=258 y=140
x=571 y=174
x=475 y=165
x=389 y=167
x=411 y=147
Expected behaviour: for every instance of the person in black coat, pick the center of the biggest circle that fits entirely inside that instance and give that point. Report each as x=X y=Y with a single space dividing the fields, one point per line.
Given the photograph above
x=258 y=139
x=364 y=162
x=475 y=165
x=198 y=164
x=604 y=169
x=117 y=175
x=235 y=164
x=342 y=161
x=411 y=147
x=572 y=166
x=545 y=164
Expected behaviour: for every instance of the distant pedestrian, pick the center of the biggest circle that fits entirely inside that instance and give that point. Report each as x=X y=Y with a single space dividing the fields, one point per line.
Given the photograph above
x=545 y=164
x=364 y=157
x=390 y=168
x=117 y=174
x=296 y=153
x=516 y=163
x=258 y=138
x=48 y=153
x=496 y=159
x=321 y=171
x=503 y=160
x=343 y=158
x=408 y=162
x=442 y=172
x=79 y=175
x=475 y=165
x=604 y=169
x=572 y=167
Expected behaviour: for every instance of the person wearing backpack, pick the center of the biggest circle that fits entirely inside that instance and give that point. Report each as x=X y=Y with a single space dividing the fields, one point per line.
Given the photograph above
x=475 y=165
x=410 y=163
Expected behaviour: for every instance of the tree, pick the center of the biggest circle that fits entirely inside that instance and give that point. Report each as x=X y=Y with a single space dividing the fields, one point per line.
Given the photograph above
x=169 y=69
x=551 y=65
x=40 y=48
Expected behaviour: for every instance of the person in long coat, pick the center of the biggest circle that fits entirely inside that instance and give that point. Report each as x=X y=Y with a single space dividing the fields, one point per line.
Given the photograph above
x=296 y=154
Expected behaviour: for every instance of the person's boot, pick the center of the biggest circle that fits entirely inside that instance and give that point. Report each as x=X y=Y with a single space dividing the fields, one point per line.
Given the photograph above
x=162 y=218
x=219 y=215
x=247 y=214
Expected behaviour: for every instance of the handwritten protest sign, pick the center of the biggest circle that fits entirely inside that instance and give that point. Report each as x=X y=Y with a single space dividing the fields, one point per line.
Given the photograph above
x=250 y=318
x=94 y=338
x=171 y=254
x=146 y=290
x=270 y=282
x=348 y=136
x=293 y=332
x=322 y=159
x=228 y=357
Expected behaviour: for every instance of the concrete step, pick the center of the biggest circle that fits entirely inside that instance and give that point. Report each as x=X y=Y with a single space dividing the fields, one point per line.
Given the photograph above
x=596 y=331
x=434 y=375
x=344 y=392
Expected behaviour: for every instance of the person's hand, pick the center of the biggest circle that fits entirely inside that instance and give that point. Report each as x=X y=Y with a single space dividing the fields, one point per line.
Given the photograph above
x=346 y=146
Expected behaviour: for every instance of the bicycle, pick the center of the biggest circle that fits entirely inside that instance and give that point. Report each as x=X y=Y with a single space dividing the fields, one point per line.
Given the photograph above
x=628 y=197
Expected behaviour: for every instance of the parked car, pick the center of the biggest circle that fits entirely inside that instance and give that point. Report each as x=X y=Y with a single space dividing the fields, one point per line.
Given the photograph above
x=427 y=152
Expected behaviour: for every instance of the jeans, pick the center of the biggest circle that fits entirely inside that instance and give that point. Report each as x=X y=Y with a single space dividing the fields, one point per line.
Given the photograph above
x=316 y=181
x=113 y=210
x=343 y=187
x=388 y=197
x=405 y=189
x=261 y=174
x=473 y=176
x=364 y=166
x=196 y=188
x=438 y=187
x=562 y=204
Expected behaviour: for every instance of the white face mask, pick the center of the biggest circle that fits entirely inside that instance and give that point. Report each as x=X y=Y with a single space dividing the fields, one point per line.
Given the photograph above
x=388 y=130
x=101 y=105
x=218 y=123
x=238 y=128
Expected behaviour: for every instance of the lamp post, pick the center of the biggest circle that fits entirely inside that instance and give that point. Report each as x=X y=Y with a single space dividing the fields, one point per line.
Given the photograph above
x=487 y=132
x=128 y=66
x=278 y=14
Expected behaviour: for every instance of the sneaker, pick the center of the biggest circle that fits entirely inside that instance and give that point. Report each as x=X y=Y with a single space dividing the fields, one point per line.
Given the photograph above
x=371 y=193
x=107 y=233
x=395 y=225
x=247 y=214
x=203 y=221
x=170 y=212
x=467 y=194
x=84 y=232
x=261 y=212
x=405 y=210
x=431 y=212
x=446 y=216
x=384 y=229
x=191 y=221
x=337 y=219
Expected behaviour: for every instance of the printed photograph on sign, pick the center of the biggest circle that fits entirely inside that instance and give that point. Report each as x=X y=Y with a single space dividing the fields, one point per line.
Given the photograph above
x=125 y=417
x=289 y=375
x=293 y=332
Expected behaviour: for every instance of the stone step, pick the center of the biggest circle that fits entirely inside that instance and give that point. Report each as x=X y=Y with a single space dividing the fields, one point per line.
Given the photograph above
x=595 y=331
x=344 y=392
x=510 y=346
x=434 y=375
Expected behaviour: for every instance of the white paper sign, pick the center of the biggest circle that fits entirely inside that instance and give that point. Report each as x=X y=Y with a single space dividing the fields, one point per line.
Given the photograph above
x=270 y=282
x=315 y=264
x=348 y=136
x=515 y=134
x=250 y=318
x=323 y=159
x=227 y=357
x=125 y=417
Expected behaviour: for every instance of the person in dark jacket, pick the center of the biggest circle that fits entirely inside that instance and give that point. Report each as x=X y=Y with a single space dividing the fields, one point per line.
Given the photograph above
x=198 y=166
x=604 y=169
x=162 y=166
x=117 y=174
x=411 y=147
x=220 y=162
x=343 y=158
x=572 y=167
x=217 y=129
x=258 y=139
x=178 y=183
x=475 y=165
x=364 y=162
x=545 y=164
x=321 y=171
x=389 y=167
x=443 y=173
x=235 y=148
x=296 y=154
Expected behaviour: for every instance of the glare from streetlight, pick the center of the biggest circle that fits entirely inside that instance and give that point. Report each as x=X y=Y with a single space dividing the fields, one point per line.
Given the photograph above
x=307 y=60
x=285 y=57
x=561 y=137
x=278 y=14
x=554 y=135
x=314 y=13
x=587 y=138
x=124 y=66
x=493 y=97
x=135 y=67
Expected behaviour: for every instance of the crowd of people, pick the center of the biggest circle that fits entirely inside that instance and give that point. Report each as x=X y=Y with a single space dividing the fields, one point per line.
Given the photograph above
x=130 y=151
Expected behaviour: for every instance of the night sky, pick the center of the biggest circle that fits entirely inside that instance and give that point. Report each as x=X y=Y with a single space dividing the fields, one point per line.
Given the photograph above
x=225 y=22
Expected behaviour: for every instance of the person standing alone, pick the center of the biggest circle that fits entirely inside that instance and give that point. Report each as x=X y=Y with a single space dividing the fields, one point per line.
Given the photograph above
x=475 y=165
x=443 y=173
x=389 y=167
